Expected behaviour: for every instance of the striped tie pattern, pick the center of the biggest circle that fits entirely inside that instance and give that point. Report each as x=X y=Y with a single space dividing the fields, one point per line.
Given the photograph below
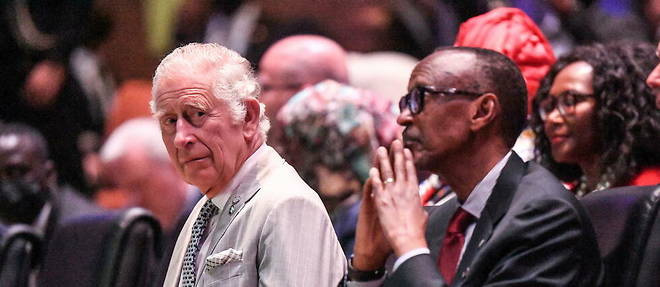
x=188 y=271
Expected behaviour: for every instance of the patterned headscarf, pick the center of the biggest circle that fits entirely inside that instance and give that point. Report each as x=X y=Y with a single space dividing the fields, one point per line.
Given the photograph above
x=337 y=126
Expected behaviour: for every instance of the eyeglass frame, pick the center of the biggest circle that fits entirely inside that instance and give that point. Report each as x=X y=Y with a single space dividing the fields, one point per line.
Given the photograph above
x=421 y=91
x=560 y=103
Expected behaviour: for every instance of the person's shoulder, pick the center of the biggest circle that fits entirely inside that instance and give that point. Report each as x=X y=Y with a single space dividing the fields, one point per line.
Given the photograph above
x=72 y=204
x=541 y=190
x=540 y=182
x=284 y=184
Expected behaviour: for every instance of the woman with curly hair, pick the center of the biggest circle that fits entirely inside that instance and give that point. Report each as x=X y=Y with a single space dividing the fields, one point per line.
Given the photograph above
x=595 y=118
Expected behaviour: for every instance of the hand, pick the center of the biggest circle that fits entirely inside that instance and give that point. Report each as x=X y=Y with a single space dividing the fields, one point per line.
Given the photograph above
x=396 y=198
x=44 y=83
x=371 y=247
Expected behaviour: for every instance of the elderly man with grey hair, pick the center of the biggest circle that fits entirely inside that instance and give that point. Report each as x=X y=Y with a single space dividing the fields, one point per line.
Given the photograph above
x=258 y=223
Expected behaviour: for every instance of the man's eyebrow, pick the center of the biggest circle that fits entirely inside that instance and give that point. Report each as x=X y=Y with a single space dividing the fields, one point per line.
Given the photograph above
x=158 y=114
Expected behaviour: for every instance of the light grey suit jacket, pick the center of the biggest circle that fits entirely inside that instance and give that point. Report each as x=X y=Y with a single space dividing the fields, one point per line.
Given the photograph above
x=280 y=226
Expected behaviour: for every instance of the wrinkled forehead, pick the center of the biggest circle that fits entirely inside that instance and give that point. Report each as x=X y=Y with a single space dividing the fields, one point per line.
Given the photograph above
x=185 y=89
x=445 y=69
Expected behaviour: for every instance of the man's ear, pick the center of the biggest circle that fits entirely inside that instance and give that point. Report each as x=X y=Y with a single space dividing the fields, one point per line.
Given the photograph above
x=484 y=110
x=251 y=120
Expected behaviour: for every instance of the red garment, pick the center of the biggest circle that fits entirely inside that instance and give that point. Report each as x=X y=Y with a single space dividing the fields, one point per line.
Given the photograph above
x=647 y=176
x=511 y=32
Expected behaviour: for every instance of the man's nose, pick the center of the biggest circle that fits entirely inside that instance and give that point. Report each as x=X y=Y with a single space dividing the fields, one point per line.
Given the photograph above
x=184 y=134
x=404 y=118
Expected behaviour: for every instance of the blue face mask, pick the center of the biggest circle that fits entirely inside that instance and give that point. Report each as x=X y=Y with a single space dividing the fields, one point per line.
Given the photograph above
x=21 y=202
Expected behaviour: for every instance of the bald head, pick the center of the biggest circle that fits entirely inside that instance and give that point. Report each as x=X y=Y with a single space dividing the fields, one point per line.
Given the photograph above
x=305 y=59
x=294 y=63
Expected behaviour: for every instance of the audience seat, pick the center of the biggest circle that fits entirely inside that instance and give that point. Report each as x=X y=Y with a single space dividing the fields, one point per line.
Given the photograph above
x=20 y=251
x=627 y=224
x=107 y=250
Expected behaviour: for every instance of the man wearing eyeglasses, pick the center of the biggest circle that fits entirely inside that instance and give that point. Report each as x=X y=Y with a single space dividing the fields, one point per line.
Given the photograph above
x=509 y=222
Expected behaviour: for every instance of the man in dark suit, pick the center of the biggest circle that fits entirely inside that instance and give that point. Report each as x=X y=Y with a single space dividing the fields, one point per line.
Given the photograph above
x=29 y=192
x=509 y=223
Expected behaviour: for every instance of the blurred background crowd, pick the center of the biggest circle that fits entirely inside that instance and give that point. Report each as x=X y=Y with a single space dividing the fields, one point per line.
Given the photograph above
x=77 y=143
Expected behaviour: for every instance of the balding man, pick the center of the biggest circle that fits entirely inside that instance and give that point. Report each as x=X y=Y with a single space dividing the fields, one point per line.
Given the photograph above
x=135 y=162
x=510 y=223
x=292 y=64
x=258 y=223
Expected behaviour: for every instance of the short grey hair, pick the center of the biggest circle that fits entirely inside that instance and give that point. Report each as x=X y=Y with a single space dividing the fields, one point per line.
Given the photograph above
x=233 y=77
x=142 y=133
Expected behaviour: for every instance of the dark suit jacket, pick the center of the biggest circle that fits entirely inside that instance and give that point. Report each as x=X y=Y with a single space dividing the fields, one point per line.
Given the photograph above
x=532 y=232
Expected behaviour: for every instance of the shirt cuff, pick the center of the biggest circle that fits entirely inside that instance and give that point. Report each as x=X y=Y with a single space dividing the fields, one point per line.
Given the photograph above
x=372 y=283
x=408 y=255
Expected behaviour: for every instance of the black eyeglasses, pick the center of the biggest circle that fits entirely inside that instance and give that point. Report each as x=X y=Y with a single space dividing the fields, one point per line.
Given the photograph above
x=565 y=103
x=414 y=100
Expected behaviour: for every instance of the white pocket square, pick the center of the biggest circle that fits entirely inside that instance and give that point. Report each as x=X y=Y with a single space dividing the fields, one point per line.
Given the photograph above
x=224 y=257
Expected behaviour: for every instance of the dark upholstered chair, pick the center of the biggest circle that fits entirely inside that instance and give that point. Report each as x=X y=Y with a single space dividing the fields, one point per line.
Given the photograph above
x=627 y=224
x=20 y=252
x=107 y=250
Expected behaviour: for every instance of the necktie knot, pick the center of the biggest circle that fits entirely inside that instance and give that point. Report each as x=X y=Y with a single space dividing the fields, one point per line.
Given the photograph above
x=460 y=221
x=208 y=210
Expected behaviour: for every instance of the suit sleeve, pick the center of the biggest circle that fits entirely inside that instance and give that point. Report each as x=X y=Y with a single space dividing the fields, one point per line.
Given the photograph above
x=298 y=246
x=546 y=244
x=417 y=271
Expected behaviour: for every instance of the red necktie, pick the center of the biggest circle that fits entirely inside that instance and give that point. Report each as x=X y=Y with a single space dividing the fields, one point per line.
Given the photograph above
x=453 y=243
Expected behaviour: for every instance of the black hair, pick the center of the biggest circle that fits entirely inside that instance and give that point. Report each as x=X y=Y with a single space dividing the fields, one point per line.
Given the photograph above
x=627 y=121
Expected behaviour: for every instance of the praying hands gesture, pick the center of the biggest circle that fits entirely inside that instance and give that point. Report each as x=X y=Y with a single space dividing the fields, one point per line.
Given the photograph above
x=391 y=216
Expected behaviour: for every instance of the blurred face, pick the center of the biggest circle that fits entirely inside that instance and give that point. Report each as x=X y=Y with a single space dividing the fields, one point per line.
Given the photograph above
x=277 y=85
x=25 y=179
x=572 y=131
x=134 y=174
x=204 y=142
x=653 y=80
x=18 y=161
x=442 y=127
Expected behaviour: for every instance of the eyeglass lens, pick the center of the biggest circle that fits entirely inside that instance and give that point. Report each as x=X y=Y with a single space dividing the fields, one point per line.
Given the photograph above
x=564 y=103
x=413 y=101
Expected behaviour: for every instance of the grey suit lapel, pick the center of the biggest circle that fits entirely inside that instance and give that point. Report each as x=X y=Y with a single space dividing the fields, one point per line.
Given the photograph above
x=232 y=208
x=496 y=206
x=242 y=194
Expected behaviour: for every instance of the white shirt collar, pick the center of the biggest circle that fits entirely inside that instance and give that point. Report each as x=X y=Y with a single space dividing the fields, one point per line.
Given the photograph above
x=221 y=198
x=477 y=199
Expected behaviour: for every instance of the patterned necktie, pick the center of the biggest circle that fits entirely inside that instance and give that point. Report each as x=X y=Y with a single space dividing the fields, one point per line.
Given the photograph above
x=453 y=243
x=188 y=271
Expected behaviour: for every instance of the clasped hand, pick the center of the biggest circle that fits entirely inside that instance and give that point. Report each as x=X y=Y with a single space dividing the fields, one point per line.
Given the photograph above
x=391 y=216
